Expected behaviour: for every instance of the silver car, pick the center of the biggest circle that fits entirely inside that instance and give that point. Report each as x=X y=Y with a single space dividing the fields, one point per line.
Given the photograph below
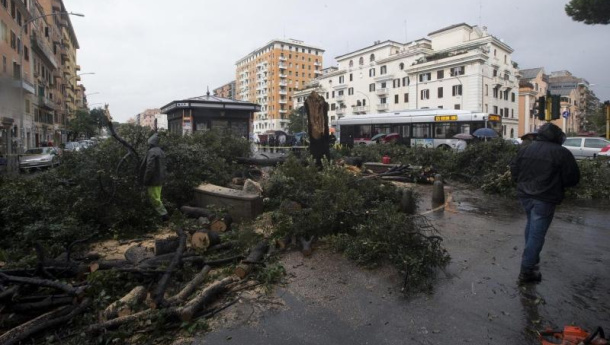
x=585 y=147
x=40 y=157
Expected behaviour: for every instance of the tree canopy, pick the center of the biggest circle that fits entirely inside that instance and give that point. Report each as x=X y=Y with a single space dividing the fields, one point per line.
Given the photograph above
x=298 y=121
x=590 y=12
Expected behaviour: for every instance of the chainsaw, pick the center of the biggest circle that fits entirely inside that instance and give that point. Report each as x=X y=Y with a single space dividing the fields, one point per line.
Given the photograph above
x=572 y=335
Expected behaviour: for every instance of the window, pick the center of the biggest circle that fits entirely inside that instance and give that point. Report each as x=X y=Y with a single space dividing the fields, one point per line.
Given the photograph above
x=383 y=100
x=440 y=92
x=396 y=99
x=396 y=83
x=401 y=66
x=512 y=113
x=456 y=106
x=13 y=9
x=372 y=87
x=26 y=53
x=350 y=91
x=3 y=63
x=573 y=142
x=361 y=61
x=457 y=90
x=351 y=63
x=495 y=109
x=486 y=90
x=351 y=77
x=440 y=74
x=512 y=97
x=506 y=95
x=424 y=77
x=372 y=58
x=333 y=106
x=383 y=85
x=501 y=112
x=13 y=40
x=505 y=112
x=4 y=32
x=495 y=92
x=406 y=97
x=383 y=70
x=4 y=3
x=495 y=72
x=332 y=95
x=457 y=70
x=425 y=94
x=371 y=72
x=405 y=81
x=341 y=79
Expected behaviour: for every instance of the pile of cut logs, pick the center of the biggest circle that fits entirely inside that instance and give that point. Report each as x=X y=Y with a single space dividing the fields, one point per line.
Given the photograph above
x=56 y=291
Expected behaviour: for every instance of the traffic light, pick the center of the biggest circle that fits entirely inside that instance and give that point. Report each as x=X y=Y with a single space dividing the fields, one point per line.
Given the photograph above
x=555 y=107
x=541 y=108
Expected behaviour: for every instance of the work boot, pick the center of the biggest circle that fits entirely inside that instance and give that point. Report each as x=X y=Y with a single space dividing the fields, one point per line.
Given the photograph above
x=526 y=277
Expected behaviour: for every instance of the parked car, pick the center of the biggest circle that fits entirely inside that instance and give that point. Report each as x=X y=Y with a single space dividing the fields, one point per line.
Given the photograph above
x=72 y=146
x=40 y=157
x=585 y=147
x=605 y=151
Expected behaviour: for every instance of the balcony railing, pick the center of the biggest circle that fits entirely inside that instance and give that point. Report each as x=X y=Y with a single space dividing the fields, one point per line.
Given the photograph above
x=282 y=65
x=383 y=106
x=340 y=98
x=282 y=58
x=283 y=83
x=283 y=76
x=283 y=92
x=383 y=91
x=283 y=101
x=340 y=111
x=317 y=64
x=362 y=109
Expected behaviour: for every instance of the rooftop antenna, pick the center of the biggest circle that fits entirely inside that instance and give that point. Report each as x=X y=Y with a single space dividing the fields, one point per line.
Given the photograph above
x=208 y=93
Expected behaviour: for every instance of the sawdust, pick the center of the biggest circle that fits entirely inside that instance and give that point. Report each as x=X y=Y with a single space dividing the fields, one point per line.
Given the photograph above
x=115 y=249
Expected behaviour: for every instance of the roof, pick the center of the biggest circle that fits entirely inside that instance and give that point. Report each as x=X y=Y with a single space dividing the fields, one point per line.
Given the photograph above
x=212 y=102
x=530 y=73
x=449 y=28
x=369 y=47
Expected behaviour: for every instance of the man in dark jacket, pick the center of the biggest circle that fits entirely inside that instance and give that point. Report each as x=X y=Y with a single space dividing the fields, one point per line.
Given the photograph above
x=153 y=174
x=542 y=170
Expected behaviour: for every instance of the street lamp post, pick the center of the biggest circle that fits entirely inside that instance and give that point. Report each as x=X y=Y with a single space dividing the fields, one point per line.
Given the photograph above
x=21 y=80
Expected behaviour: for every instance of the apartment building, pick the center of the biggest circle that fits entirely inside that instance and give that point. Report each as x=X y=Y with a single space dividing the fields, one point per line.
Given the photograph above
x=577 y=100
x=457 y=67
x=49 y=74
x=147 y=117
x=269 y=75
x=533 y=84
x=226 y=91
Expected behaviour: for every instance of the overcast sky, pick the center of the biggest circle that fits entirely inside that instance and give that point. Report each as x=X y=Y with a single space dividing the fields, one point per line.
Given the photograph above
x=146 y=53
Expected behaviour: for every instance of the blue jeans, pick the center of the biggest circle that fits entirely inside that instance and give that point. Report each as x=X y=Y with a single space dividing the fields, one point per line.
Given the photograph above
x=539 y=217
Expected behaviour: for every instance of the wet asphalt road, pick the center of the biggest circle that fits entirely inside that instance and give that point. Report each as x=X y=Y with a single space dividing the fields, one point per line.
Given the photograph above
x=329 y=300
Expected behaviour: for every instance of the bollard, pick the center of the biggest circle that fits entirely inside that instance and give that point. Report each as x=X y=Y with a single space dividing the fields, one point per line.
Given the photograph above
x=438 y=194
x=407 y=202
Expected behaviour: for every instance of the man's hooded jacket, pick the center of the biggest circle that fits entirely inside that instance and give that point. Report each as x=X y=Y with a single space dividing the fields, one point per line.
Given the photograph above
x=153 y=166
x=544 y=168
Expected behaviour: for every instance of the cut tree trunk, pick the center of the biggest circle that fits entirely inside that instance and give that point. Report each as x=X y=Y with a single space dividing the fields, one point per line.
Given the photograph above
x=123 y=307
x=48 y=320
x=108 y=264
x=196 y=212
x=136 y=254
x=186 y=292
x=160 y=291
x=255 y=256
x=166 y=245
x=221 y=224
x=42 y=305
x=203 y=239
x=204 y=297
x=317 y=115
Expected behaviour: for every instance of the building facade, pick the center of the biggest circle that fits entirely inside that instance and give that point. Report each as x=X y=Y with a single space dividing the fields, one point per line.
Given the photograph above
x=269 y=75
x=577 y=100
x=226 y=91
x=458 y=67
x=40 y=58
x=533 y=84
x=147 y=117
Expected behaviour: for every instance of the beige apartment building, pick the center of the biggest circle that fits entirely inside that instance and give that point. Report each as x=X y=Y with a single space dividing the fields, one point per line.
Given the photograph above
x=49 y=74
x=533 y=84
x=226 y=91
x=269 y=75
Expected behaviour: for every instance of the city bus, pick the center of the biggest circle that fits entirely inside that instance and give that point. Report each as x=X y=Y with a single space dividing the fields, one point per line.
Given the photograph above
x=432 y=128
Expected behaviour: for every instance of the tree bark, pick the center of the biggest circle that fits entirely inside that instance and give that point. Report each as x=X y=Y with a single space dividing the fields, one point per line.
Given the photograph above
x=256 y=254
x=123 y=306
x=136 y=254
x=166 y=245
x=47 y=303
x=317 y=115
x=48 y=320
x=70 y=290
x=184 y=294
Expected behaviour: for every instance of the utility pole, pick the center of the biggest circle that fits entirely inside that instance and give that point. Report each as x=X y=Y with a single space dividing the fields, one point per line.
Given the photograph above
x=607 y=103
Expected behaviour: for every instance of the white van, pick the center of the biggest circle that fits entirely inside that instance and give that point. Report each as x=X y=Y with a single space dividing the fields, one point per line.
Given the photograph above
x=585 y=147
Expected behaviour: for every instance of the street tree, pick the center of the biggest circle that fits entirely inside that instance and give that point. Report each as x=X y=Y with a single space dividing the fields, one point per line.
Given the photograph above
x=81 y=125
x=298 y=121
x=590 y=12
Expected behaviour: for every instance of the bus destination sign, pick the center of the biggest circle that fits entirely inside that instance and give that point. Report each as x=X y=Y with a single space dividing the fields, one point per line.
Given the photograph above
x=494 y=117
x=445 y=118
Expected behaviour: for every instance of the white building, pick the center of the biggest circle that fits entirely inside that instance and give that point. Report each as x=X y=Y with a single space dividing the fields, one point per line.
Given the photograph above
x=458 y=67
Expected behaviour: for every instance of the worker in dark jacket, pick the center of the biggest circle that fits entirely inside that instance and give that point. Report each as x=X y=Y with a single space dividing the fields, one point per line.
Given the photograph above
x=153 y=172
x=542 y=170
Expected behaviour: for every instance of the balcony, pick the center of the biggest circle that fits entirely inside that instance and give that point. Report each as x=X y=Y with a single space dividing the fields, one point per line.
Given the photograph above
x=340 y=111
x=26 y=85
x=282 y=65
x=40 y=46
x=318 y=72
x=283 y=76
x=384 y=77
x=362 y=109
x=283 y=83
x=383 y=106
x=317 y=64
x=283 y=101
x=381 y=92
x=283 y=111
x=46 y=103
x=283 y=92
x=340 y=86
x=283 y=58
x=340 y=98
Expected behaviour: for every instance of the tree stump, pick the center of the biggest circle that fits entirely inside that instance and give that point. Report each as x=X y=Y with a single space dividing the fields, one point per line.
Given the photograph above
x=317 y=116
x=166 y=245
x=203 y=239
